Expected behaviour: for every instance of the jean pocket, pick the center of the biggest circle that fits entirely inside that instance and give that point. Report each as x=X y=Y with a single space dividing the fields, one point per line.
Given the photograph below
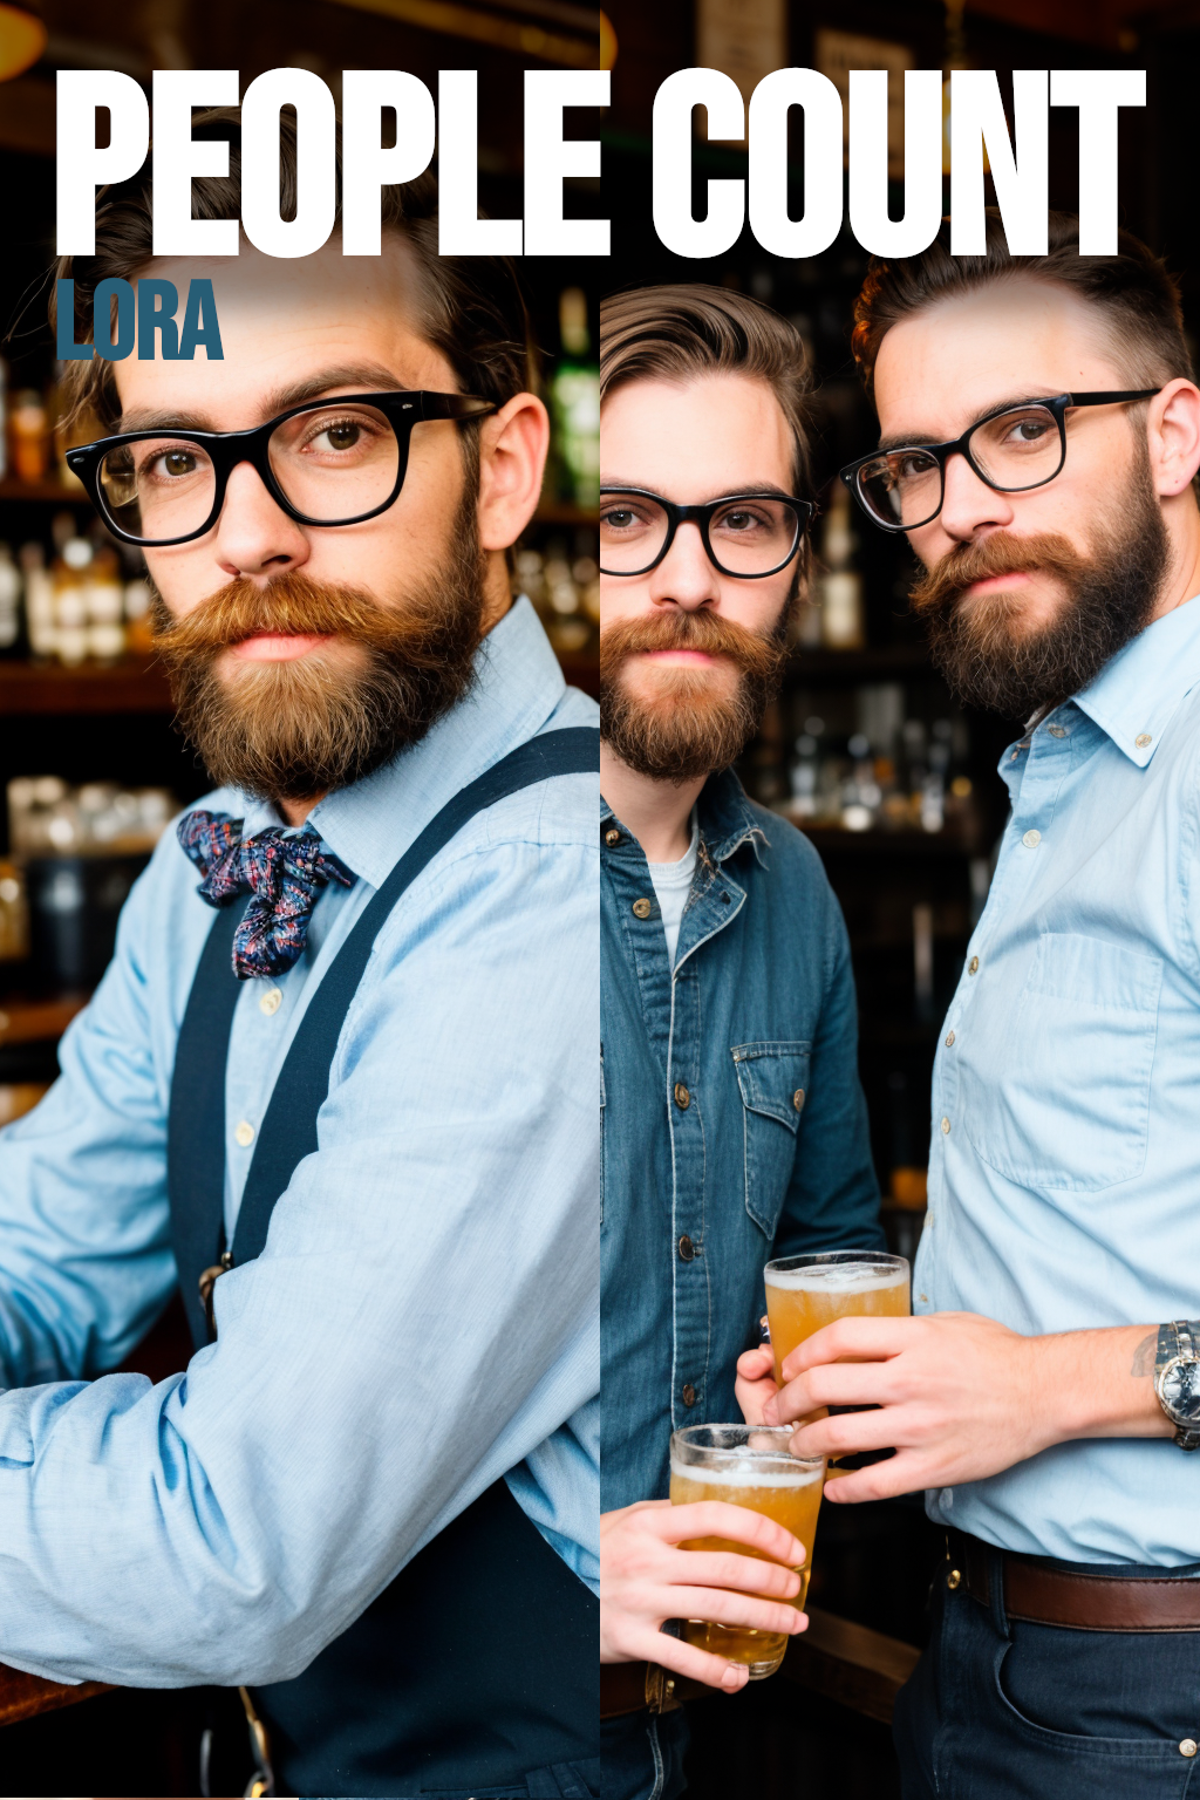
x=1056 y=1090
x=1124 y=1768
x=773 y=1080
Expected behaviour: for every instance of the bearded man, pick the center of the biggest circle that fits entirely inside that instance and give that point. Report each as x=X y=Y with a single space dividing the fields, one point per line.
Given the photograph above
x=734 y=1125
x=335 y=1077
x=1040 y=438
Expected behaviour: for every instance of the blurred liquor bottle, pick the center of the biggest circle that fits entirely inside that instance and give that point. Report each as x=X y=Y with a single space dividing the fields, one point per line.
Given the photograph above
x=575 y=405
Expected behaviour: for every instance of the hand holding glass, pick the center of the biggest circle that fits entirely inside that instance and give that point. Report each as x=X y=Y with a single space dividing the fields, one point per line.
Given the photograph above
x=749 y=1466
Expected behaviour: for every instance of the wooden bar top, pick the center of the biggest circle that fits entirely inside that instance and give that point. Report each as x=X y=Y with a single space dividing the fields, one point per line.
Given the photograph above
x=24 y=1696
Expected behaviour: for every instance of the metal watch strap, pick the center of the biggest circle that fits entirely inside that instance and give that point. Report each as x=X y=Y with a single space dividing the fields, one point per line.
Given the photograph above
x=1177 y=1341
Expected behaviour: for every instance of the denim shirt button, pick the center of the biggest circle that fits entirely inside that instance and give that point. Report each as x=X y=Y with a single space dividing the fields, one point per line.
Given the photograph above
x=642 y=909
x=682 y=1098
x=687 y=1249
x=689 y=1394
x=612 y=839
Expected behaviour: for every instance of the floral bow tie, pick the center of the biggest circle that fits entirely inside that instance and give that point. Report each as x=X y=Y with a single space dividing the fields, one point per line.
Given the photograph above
x=281 y=871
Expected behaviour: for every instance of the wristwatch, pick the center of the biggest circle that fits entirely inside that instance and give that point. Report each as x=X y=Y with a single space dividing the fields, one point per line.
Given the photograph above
x=1177 y=1380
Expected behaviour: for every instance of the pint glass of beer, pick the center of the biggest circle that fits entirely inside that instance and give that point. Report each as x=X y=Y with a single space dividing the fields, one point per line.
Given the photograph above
x=750 y=1466
x=806 y=1292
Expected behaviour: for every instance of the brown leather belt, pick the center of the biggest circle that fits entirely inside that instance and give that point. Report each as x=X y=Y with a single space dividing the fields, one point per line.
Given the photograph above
x=631 y=1687
x=1049 y=1594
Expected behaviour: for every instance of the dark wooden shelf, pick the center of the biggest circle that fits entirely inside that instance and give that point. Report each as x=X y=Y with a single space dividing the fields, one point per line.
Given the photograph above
x=25 y=1696
x=50 y=489
x=32 y=1021
x=832 y=839
x=564 y=512
x=888 y=662
x=124 y=687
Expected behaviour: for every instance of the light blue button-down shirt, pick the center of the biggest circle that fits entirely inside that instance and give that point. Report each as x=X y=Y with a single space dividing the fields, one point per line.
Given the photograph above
x=424 y=1317
x=1063 y=1186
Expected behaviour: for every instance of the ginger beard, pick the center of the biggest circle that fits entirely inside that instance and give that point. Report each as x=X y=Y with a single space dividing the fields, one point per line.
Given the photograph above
x=991 y=660
x=693 y=720
x=295 y=729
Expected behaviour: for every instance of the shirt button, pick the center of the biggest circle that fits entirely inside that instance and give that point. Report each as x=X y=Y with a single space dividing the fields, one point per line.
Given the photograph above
x=687 y=1250
x=244 y=1133
x=973 y=966
x=1143 y=740
x=945 y=1128
x=689 y=1394
x=924 y=1299
x=271 y=1001
x=1032 y=839
x=642 y=909
x=612 y=839
x=1188 y=1747
x=798 y=1099
x=682 y=1098
x=950 y=1040
x=1056 y=731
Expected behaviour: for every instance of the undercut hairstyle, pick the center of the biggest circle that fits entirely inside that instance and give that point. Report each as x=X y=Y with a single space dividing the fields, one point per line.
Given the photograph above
x=470 y=308
x=1135 y=296
x=684 y=330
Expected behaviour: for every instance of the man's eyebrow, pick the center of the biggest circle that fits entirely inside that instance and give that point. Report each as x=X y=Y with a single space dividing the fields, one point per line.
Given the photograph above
x=726 y=493
x=916 y=440
x=368 y=377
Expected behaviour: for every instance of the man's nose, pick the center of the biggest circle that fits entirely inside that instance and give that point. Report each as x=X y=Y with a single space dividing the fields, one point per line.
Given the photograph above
x=254 y=534
x=685 y=576
x=969 y=505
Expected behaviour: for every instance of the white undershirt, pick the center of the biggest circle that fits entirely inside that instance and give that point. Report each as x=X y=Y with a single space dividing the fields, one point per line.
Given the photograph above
x=672 y=884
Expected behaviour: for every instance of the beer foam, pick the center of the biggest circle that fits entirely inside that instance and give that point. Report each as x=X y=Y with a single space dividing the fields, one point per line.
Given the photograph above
x=836 y=1278
x=740 y=1474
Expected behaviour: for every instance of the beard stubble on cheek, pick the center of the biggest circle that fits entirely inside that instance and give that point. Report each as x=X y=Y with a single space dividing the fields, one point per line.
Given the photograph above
x=690 y=724
x=988 y=653
x=292 y=730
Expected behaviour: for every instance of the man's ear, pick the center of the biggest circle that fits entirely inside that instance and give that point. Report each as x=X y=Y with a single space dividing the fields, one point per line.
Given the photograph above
x=1173 y=430
x=512 y=458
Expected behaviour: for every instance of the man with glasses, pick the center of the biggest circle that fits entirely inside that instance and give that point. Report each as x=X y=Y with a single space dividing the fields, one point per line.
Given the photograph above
x=337 y=1078
x=1040 y=438
x=733 y=1121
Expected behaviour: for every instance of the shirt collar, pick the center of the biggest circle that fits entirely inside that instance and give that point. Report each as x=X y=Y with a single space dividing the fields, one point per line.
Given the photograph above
x=1136 y=693
x=725 y=817
x=518 y=684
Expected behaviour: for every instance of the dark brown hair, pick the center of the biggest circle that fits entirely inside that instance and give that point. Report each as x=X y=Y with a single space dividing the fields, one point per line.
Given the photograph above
x=469 y=307
x=677 y=332
x=1134 y=293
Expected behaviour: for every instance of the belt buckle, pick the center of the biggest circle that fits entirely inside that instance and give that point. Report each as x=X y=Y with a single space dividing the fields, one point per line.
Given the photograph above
x=660 y=1690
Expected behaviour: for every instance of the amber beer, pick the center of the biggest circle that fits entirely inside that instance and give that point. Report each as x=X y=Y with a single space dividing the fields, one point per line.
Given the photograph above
x=806 y=1292
x=750 y=1466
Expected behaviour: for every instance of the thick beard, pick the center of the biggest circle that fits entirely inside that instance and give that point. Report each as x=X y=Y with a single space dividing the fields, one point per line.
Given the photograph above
x=687 y=730
x=1110 y=595
x=295 y=730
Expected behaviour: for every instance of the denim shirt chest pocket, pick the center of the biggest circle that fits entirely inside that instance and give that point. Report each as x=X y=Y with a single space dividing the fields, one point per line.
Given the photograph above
x=773 y=1079
x=1061 y=1099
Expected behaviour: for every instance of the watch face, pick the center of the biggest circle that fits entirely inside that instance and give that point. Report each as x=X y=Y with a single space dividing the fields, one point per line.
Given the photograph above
x=1180 y=1389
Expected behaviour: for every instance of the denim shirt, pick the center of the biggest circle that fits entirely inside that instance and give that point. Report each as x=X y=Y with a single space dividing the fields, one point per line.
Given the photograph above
x=734 y=1125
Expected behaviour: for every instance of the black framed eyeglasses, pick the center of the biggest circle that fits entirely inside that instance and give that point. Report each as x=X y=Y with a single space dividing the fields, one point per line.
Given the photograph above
x=328 y=462
x=1015 y=447
x=747 y=536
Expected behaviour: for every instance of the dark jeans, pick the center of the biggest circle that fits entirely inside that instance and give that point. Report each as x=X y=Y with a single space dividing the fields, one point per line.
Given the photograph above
x=642 y=1756
x=1002 y=1710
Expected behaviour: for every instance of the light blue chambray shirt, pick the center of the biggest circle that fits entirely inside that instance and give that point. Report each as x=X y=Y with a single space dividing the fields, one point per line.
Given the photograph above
x=424 y=1318
x=1064 y=1180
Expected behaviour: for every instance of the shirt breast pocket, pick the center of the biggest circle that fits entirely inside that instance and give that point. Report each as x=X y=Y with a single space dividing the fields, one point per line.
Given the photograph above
x=773 y=1079
x=1064 y=1099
